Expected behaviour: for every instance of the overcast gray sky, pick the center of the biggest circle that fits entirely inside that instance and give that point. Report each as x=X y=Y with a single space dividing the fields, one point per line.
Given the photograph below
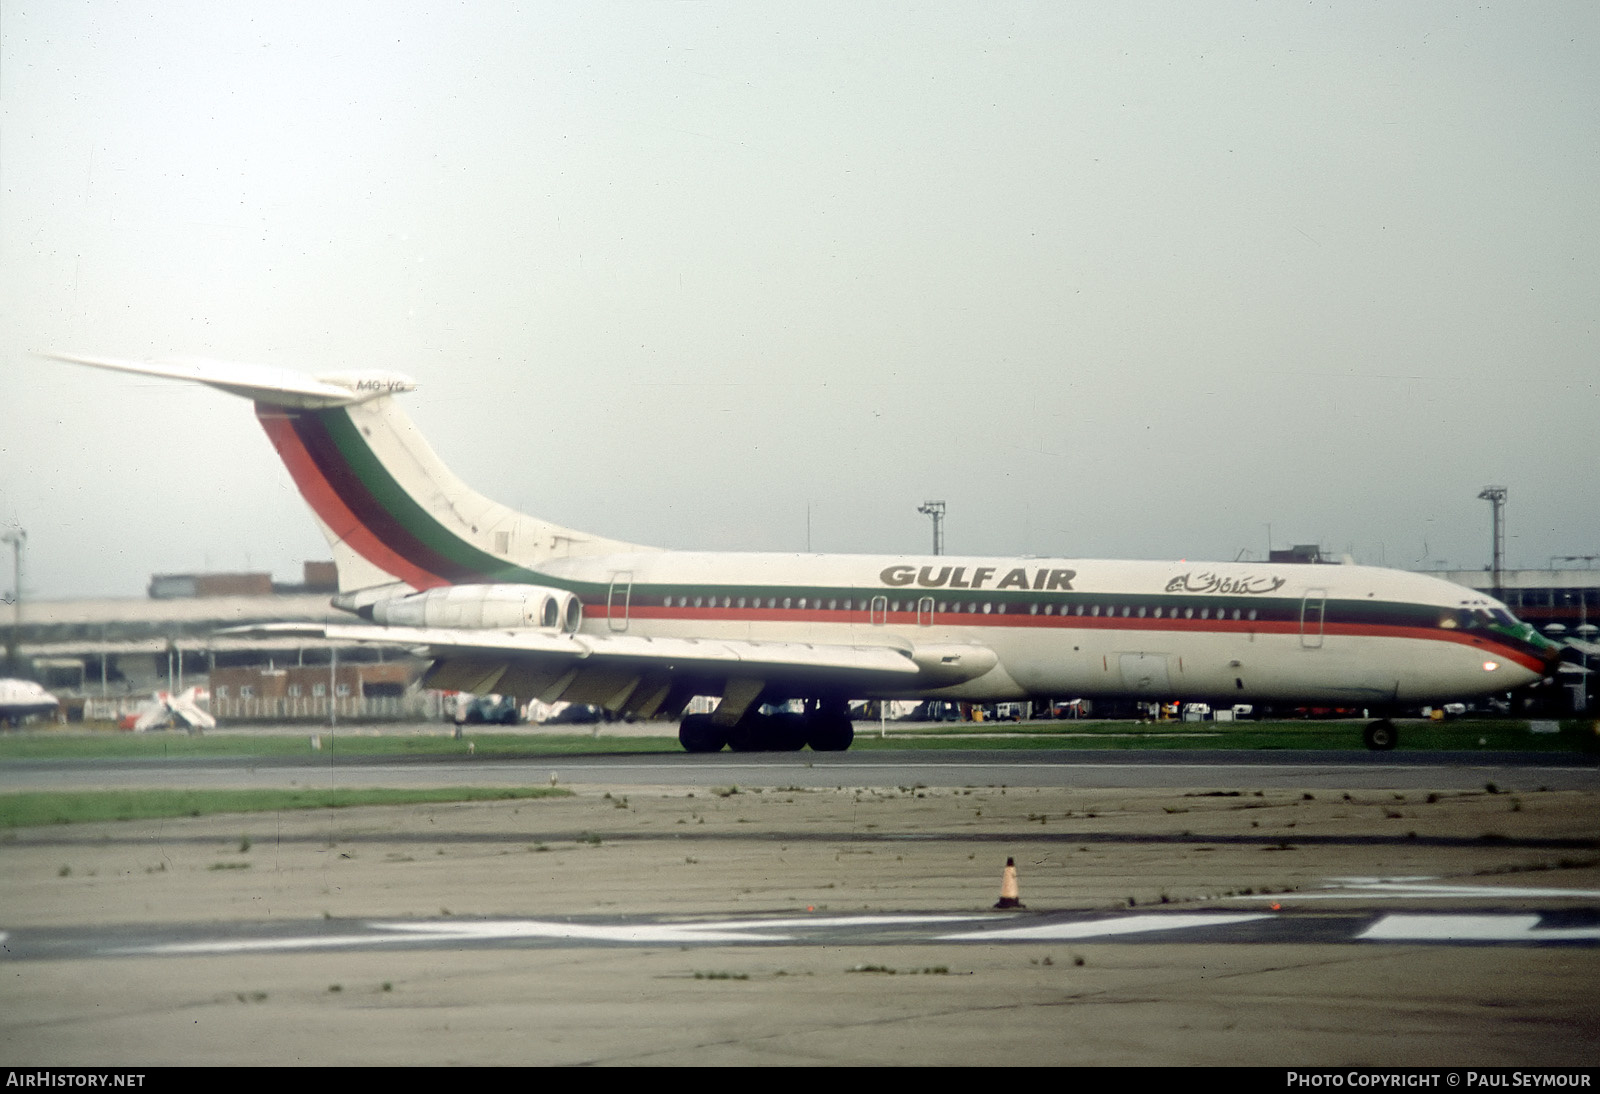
x=1111 y=279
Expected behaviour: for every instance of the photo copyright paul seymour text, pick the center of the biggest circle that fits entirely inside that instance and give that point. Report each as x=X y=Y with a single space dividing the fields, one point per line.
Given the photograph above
x=1465 y=1079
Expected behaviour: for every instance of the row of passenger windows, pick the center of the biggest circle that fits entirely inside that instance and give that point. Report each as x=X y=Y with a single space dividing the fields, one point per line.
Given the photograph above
x=948 y=607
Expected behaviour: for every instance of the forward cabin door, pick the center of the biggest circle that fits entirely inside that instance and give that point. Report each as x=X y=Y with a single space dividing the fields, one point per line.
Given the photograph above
x=1312 y=610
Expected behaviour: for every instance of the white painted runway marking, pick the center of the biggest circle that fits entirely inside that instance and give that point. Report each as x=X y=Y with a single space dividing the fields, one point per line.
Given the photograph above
x=252 y=945
x=1420 y=888
x=382 y=933
x=1265 y=928
x=1472 y=928
x=1105 y=928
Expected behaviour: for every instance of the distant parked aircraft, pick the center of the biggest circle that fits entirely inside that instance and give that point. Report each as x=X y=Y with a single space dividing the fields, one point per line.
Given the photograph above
x=166 y=709
x=22 y=699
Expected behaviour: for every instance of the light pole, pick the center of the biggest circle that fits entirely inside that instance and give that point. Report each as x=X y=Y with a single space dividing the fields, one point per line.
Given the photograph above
x=1496 y=497
x=935 y=509
x=17 y=539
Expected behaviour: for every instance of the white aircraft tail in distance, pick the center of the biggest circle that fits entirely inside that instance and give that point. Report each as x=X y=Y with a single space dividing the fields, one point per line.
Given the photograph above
x=183 y=711
x=512 y=604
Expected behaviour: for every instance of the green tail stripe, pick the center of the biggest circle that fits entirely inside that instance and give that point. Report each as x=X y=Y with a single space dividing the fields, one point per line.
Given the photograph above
x=410 y=515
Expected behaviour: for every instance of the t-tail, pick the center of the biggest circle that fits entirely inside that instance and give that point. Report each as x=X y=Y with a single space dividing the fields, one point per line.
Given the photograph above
x=395 y=517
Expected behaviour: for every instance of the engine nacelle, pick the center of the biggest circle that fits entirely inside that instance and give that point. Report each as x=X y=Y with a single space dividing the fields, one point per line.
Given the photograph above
x=479 y=607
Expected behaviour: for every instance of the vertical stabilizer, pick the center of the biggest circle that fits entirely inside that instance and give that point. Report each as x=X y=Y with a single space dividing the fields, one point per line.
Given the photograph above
x=389 y=507
x=392 y=511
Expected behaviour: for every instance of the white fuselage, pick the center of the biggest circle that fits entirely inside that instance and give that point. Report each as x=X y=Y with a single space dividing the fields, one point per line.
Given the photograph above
x=1235 y=632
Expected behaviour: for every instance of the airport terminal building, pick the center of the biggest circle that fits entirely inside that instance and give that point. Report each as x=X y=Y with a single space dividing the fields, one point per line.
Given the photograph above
x=106 y=656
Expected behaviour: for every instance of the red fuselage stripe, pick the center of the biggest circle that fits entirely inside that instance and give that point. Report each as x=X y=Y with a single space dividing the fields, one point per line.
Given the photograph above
x=860 y=617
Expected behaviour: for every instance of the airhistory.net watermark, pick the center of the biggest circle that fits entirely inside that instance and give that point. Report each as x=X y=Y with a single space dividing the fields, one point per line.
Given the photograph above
x=71 y=1077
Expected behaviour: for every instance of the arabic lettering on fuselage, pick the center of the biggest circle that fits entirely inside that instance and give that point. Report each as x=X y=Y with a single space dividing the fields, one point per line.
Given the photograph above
x=1212 y=583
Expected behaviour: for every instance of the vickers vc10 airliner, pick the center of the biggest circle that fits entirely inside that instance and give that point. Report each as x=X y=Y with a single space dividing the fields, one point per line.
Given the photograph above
x=509 y=603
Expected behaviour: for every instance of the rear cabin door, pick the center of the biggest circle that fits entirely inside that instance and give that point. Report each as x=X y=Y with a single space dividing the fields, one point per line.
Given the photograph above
x=617 y=600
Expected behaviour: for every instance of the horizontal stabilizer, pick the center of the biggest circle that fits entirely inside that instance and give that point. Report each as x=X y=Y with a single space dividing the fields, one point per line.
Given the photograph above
x=262 y=383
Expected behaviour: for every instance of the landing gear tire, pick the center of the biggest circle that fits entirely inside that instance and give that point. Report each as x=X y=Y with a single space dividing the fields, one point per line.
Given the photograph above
x=1380 y=736
x=697 y=733
x=757 y=732
x=749 y=734
x=829 y=733
x=789 y=732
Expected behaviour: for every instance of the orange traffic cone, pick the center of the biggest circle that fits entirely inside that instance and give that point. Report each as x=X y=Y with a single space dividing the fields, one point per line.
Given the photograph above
x=1009 y=896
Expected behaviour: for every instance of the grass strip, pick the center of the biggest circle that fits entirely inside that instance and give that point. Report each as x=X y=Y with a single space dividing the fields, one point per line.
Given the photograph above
x=54 y=744
x=33 y=808
x=1416 y=735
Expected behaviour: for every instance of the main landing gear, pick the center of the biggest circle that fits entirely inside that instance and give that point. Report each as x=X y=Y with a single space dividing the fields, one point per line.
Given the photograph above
x=825 y=726
x=1381 y=736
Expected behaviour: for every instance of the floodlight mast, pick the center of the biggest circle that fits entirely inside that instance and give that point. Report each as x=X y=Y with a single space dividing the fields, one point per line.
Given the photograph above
x=17 y=538
x=935 y=509
x=1496 y=497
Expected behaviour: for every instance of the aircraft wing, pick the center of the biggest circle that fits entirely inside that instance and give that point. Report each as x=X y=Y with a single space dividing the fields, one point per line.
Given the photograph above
x=631 y=674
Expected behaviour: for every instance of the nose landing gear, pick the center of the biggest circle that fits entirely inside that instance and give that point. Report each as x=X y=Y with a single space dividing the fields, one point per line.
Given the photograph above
x=1381 y=735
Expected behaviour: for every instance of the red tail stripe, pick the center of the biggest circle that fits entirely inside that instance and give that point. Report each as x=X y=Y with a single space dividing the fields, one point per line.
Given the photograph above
x=327 y=504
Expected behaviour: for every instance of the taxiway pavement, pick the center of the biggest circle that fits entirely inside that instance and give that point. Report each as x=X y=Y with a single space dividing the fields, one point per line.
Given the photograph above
x=1224 y=918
